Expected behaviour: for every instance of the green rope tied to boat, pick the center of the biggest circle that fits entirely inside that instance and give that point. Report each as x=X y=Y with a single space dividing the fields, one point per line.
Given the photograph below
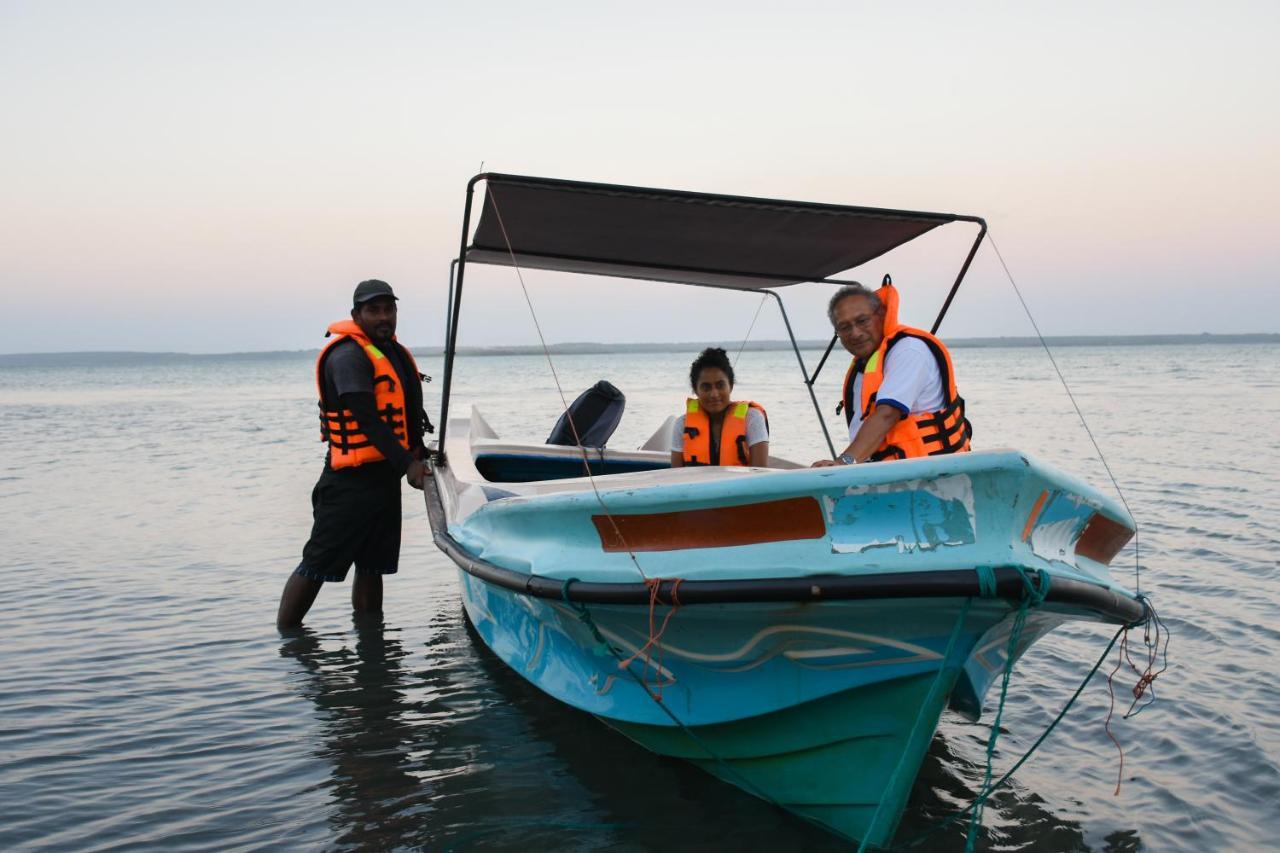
x=986 y=581
x=602 y=647
x=1026 y=756
x=1033 y=596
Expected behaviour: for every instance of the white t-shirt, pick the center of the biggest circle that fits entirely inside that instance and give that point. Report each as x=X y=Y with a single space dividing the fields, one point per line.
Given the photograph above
x=757 y=431
x=912 y=382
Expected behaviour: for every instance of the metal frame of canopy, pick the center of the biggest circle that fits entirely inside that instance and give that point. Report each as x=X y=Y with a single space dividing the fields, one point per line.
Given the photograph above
x=618 y=267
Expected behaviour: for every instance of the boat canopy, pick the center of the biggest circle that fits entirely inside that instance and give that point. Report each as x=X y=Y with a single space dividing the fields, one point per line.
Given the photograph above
x=727 y=241
x=684 y=237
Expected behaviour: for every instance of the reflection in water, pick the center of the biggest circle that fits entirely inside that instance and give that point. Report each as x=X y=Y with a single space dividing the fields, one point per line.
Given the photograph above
x=649 y=802
x=447 y=748
x=425 y=754
x=1014 y=819
x=365 y=731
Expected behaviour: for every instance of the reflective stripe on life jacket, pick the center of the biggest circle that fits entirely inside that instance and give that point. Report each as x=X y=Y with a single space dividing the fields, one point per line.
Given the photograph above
x=348 y=446
x=925 y=434
x=733 y=448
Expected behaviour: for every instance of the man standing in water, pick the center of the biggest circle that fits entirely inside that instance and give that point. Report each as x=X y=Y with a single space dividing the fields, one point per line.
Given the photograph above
x=371 y=417
x=900 y=398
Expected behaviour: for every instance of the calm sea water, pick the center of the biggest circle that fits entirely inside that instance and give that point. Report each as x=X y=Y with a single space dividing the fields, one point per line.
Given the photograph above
x=153 y=511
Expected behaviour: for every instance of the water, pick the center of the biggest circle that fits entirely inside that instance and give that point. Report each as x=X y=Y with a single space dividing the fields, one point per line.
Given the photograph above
x=154 y=510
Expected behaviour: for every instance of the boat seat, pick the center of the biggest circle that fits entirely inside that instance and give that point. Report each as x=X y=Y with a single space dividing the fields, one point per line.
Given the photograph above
x=595 y=413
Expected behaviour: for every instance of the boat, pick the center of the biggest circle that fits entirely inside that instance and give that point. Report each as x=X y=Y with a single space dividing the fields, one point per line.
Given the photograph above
x=794 y=631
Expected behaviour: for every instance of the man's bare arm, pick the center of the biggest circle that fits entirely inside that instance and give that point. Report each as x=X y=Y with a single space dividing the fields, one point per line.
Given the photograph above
x=870 y=434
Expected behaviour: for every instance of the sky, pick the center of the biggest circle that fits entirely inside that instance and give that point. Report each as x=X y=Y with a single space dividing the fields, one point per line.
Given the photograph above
x=216 y=177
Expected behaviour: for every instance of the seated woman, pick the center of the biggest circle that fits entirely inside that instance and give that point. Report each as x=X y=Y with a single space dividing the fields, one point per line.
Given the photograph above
x=716 y=430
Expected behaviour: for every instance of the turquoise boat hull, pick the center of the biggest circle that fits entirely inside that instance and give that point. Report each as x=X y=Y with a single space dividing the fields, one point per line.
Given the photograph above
x=845 y=759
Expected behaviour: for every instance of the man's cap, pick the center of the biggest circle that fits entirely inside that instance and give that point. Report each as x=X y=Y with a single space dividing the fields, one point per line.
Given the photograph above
x=371 y=289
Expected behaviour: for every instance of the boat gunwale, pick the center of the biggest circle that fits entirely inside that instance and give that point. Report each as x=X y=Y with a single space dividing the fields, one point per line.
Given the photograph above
x=1113 y=605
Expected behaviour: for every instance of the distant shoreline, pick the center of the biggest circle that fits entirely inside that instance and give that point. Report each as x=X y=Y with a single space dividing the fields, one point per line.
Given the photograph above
x=127 y=357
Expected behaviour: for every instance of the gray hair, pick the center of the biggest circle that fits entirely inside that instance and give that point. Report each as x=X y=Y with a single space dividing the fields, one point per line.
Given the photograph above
x=854 y=289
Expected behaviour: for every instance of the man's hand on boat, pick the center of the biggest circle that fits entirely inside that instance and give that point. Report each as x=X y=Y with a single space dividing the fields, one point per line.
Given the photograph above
x=415 y=473
x=870 y=434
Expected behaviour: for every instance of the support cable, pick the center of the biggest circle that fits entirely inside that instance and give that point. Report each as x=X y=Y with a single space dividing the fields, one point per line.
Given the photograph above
x=564 y=403
x=747 y=337
x=1137 y=538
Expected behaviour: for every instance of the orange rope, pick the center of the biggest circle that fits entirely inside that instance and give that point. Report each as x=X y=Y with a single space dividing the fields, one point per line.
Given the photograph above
x=1152 y=634
x=655 y=631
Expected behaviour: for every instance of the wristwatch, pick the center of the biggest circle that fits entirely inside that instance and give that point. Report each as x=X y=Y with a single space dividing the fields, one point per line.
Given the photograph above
x=846 y=459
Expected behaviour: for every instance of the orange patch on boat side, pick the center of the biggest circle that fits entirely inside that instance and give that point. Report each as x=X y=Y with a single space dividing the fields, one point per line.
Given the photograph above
x=717 y=527
x=1102 y=539
x=1035 y=513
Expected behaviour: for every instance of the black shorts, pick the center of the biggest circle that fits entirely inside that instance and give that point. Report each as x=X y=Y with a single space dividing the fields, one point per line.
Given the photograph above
x=356 y=520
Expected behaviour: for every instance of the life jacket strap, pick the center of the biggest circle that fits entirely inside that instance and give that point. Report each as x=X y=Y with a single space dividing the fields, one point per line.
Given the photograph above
x=951 y=429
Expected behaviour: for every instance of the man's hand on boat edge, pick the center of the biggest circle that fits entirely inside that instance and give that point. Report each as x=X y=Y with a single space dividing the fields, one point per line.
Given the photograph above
x=416 y=473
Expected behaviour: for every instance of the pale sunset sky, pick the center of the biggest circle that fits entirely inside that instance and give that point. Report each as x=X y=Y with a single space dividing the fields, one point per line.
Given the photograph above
x=215 y=177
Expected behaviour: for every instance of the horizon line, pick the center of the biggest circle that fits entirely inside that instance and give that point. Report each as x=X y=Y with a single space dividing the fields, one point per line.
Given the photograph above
x=588 y=347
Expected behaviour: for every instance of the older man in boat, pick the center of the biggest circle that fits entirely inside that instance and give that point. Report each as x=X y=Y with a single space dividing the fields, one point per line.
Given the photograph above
x=371 y=417
x=899 y=398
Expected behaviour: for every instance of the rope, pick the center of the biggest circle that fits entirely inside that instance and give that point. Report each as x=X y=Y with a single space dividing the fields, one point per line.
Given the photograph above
x=1146 y=676
x=747 y=337
x=654 y=584
x=982 y=797
x=655 y=633
x=1137 y=539
x=564 y=403
x=1034 y=595
x=986 y=581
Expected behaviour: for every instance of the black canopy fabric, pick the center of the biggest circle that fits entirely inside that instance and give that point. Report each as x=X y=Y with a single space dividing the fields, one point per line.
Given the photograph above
x=691 y=238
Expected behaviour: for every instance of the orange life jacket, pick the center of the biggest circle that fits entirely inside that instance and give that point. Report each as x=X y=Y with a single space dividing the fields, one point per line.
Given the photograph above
x=733 y=434
x=348 y=446
x=928 y=434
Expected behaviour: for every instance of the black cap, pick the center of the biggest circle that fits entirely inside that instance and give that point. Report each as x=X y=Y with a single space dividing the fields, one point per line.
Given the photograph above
x=371 y=289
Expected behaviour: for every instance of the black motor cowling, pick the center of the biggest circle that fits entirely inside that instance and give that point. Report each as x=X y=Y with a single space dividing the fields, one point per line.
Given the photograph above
x=595 y=413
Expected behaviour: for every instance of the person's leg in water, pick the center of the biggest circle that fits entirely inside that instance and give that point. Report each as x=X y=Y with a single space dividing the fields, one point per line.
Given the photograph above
x=340 y=520
x=379 y=552
x=366 y=593
x=298 y=596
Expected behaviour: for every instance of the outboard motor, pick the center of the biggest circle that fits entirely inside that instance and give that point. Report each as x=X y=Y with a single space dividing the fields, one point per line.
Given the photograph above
x=595 y=413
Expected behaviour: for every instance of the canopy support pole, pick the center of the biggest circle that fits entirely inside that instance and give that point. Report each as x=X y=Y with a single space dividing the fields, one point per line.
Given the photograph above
x=455 y=308
x=818 y=369
x=804 y=371
x=973 y=250
x=448 y=309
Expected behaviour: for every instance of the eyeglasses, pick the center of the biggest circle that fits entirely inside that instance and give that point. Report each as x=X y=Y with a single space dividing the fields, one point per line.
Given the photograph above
x=864 y=322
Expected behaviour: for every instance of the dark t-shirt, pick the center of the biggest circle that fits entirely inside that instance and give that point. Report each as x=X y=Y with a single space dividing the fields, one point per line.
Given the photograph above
x=348 y=378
